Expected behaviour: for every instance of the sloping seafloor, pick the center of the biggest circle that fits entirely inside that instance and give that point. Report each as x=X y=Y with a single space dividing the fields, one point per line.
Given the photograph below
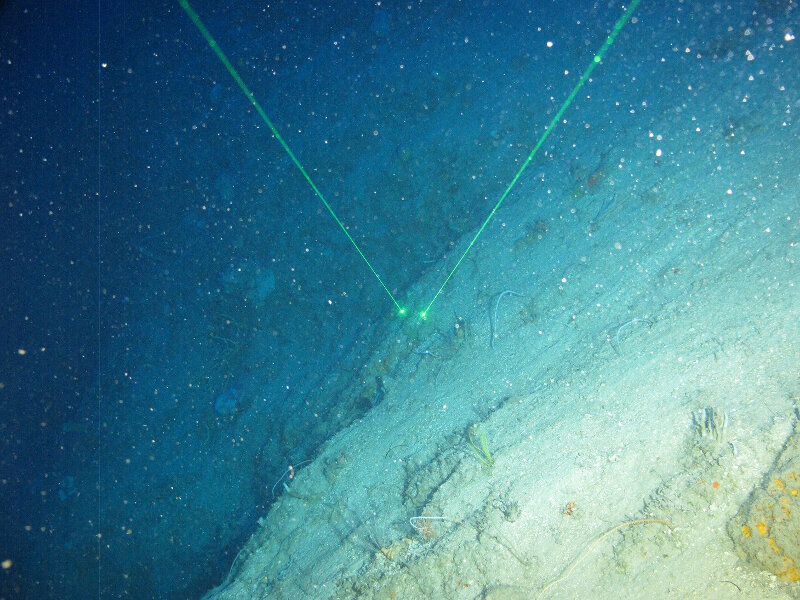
x=637 y=395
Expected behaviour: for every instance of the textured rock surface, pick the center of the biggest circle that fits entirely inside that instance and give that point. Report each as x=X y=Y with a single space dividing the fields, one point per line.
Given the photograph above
x=766 y=530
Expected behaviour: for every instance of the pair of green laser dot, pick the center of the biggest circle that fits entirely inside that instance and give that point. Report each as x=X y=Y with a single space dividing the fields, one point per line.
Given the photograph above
x=621 y=22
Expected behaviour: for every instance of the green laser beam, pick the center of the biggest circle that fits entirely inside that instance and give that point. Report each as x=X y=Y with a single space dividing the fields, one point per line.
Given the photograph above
x=554 y=121
x=243 y=86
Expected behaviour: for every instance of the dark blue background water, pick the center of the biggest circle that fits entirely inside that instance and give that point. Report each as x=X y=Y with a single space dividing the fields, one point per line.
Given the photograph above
x=49 y=323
